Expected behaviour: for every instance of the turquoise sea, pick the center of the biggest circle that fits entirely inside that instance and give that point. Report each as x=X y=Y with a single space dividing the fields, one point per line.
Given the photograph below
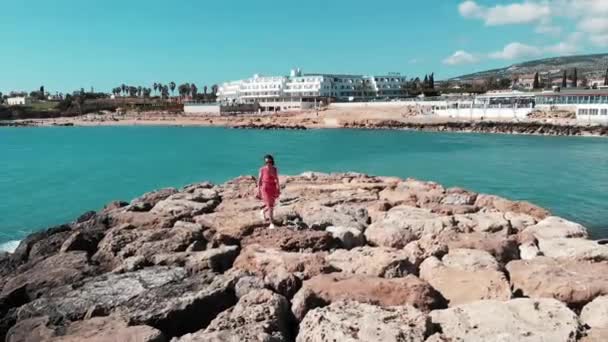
x=49 y=176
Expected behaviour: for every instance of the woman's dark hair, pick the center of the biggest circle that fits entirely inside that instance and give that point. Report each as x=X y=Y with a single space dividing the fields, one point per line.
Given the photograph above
x=269 y=157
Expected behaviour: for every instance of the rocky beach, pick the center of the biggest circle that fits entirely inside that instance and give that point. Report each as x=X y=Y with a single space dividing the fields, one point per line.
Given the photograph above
x=354 y=258
x=395 y=118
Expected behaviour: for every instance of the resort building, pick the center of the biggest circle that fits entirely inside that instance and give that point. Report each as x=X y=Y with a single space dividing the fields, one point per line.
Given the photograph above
x=590 y=105
x=18 y=101
x=290 y=92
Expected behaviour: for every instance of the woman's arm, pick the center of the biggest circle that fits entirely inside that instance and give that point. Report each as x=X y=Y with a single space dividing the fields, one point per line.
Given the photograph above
x=277 y=181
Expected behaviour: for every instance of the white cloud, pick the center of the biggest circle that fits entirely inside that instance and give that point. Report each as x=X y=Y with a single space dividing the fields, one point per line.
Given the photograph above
x=549 y=29
x=516 y=50
x=515 y=13
x=596 y=25
x=413 y=61
x=460 y=57
x=569 y=46
x=600 y=40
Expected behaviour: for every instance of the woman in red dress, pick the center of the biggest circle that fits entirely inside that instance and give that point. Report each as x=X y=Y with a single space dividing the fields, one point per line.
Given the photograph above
x=268 y=188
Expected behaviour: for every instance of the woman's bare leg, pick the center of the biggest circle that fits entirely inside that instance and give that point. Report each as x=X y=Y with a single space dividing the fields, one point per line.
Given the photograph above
x=270 y=211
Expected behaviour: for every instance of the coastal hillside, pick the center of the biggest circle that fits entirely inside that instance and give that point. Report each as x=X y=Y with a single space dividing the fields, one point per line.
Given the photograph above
x=354 y=258
x=590 y=66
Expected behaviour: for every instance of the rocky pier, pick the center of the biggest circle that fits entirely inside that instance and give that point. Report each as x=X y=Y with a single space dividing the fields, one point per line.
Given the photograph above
x=355 y=258
x=529 y=128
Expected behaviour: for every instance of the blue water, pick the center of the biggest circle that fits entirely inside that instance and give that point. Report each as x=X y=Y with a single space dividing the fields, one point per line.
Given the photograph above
x=49 y=176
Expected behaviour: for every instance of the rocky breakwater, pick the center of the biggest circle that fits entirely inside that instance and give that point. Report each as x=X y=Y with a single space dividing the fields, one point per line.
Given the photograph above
x=530 y=127
x=356 y=258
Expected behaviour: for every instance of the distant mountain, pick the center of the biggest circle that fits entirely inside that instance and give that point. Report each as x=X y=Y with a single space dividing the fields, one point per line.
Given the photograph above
x=589 y=66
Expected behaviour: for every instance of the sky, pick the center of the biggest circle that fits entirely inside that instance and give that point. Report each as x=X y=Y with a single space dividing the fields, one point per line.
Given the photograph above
x=66 y=45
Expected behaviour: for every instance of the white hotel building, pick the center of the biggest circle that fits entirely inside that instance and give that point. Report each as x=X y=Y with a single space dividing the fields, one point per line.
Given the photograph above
x=297 y=89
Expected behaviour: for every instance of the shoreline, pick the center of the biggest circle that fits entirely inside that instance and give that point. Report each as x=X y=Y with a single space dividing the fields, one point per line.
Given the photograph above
x=309 y=121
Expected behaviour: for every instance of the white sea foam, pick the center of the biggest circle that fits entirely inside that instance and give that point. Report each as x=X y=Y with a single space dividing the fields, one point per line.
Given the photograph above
x=9 y=246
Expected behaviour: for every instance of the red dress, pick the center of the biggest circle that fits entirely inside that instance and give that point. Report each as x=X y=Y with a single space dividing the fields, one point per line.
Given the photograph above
x=269 y=180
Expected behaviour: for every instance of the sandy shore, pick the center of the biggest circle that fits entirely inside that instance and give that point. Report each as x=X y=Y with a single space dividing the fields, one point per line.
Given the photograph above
x=330 y=118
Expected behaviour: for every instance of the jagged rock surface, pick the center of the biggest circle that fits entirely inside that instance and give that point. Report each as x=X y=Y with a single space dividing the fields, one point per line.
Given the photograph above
x=354 y=258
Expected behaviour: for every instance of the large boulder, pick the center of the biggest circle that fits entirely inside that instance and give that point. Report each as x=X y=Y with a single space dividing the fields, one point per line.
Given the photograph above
x=484 y=222
x=594 y=317
x=258 y=316
x=292 y=240
x=352 y=321
x=317 y=216
x=328 y=288
x=148 y=200
x=46 y=242
x=44 y=275
x=282 y=271
x=218 y=259
x=128 y=240
x=574 y=282
x=165 y=298
x=554 y=227
x=348 y=237
x=504 y=249
x=515 y=320
x=96 y=329
x=466 y=275
x=581 y=249
x=505 y=205
x=373 y=261
x=404 y=224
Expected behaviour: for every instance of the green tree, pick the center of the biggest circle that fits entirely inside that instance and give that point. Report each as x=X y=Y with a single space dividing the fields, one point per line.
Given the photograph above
x=575 y=78
x=606 y=78
x=139 y=91
x=565 y=80
x=164 y=92
x=432 y=81
x=536 y=83
x=172 y=87
x=123 y=88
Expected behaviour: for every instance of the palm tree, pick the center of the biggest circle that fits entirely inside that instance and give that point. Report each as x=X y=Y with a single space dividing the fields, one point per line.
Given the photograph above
x=172 y=87
x=184 y=89
x=139 y=91
x=165 y=92
x=193 y=90
x=124 y=88
x=155 y=86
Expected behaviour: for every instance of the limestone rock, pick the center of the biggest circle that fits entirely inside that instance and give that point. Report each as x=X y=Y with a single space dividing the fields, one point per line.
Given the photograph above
x=595 y=316
x=148 y=200
x=126 y=241
x=404 y=224
x=505 y=205
x=328 y=288
x=484 y=222
x=515 y=320
x=30 y=330
x=352 y=321
x=319 y=217
x=573 y=282
x=183 y=207
x=49 y=273
x=504 y=249
x=247 y=284
x=292 y=240
x=282 y=271
x=466 y=275
x=258 y=316
x=348 y=237
x=554 y=227
x=373 y=261
x=165 y=298
x=581 y=249
x=217 y=259
x=105 y=329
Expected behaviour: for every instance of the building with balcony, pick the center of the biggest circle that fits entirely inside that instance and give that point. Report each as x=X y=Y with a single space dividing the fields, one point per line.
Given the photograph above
x=301 y=88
